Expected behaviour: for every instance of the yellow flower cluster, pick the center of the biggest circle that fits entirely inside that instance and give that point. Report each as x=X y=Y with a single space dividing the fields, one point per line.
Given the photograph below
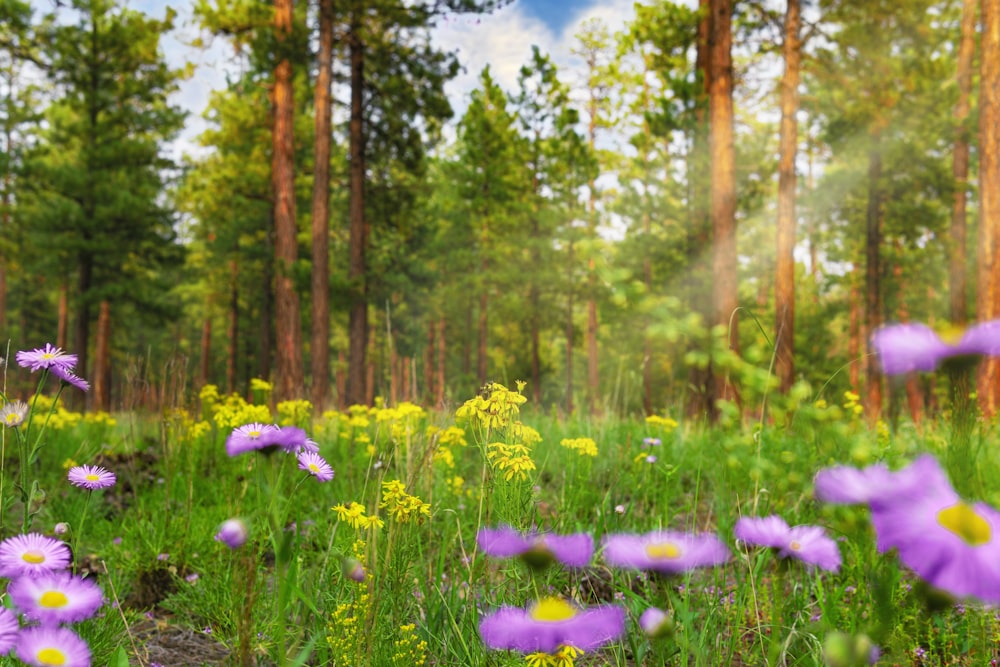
x=456 y=484
x=665 y=424
x=564 y=656
x=583 y=446
x=409 y=648
x=60 y=419
x=852 y=403
x=180 y=422
x=399 y=504
x=99 y=418
x=526 y=434
x=261 y=390
x=295 y=413
x=453 y=436
x=444 y=456
x=494 y=408
x=354 y=514
x=512 y=461
x=345 y=634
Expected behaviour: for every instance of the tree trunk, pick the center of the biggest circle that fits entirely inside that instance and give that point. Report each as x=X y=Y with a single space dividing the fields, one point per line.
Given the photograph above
x=957 y=287
x=81 y=333
x=569 y=333
x=854 y=333
x=429 y=353
x=266 y=309
x=784 y=279
x=288 y=327
x=340 y=379
x=701 y=400
x=234 y=327
x=62 y=314
x=988 y=291
x=369 y=397
x=206 y=351
x=723 y=186
x=439 y=384
x=357 y=392
x=319 y=346
x=102 y=358
x=873 y=281
x=482 y=348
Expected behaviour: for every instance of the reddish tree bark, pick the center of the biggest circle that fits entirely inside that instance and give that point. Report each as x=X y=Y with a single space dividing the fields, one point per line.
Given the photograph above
x=288 y=327
x=357 y=374
x=784 y=278
x=102 y=359
x=957 y=283
x=873 y=282
x=319 y=346
x=987 y=279
x=206 y=351
x=234 y=327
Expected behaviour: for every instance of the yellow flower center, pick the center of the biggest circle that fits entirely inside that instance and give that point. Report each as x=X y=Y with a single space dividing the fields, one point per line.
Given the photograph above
x=552 y=610
x=794 y=546
x=53 y=599
x=48 y=355
x=663 y=550
x=253 y=434
x=93 y=478
x=33 y=557
x=10 y=417
x=313 y=467
x=964 y=522
x=51 y=656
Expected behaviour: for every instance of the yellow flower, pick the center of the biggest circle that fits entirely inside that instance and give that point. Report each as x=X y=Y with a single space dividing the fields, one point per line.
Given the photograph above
x=354 y=514
x=583 y=446
x=400 y=505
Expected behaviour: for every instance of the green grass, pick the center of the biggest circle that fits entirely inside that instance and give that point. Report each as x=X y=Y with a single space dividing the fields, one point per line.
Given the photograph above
x=284 y=597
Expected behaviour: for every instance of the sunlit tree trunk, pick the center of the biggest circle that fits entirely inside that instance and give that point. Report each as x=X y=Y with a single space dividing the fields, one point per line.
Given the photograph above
x=319 y=346
x=62 y=314
x=988 y=291
x=266 y=322
x=957 y=287
x=723 y=186
x=206 y=350
x=288 y=327
x=784 y=280
x=854 y=328
x=873 y=281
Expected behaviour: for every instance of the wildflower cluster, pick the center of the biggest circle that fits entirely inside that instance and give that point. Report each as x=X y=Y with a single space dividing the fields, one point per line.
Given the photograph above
x=354 y=515
x=664 y=425
x=409 y=649
x=510 y=461
x=402 y=421
x=345 y=631
x=294 y=413
x=53 y=360
x=400 y=505
x=494 y=408
x=48 y=597
x=582 y=446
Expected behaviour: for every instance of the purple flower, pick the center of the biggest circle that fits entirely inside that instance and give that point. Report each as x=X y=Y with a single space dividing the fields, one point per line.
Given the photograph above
x=32 y=554
x=537 y=549
x=315 y=465
x=550 y=623
x=876 y=485
x=808 y=544
x=666 y=552
x=656 y=623
x=56 y=597
x=949 y=543
x=9 y=628
x=651 y=442
x=91 y=477
x=265 y=438
x=233 y=533
x=43 y=646
x=47 y=357
x=66 y=375
x=915 y=347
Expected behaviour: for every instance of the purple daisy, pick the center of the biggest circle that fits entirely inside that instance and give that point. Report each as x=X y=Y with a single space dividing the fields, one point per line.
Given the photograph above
x=31 y=555
x=876 y=485
x=537 y=549
x=56 y=597
x=949 y=543
x=916 y=347
x=550 y=623
x=265 y=438
x=315 y=465
x=233 y=533
x=45 y=646
x=665 y=552
x=91 y=477
x=9 y=627
x=809 y=544
x=67 y=375
x=47 y=357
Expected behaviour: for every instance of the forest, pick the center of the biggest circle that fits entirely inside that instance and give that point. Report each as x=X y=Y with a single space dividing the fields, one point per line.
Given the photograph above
x=718 y=215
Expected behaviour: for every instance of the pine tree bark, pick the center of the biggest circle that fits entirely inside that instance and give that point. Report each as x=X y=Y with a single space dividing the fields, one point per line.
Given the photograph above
x=266 y=325
x=234 y=326
x=288 y=326
x=988 y=275
x=102 y=358
x=206 y=351
x=357 y=374
x=62 y=314
x=723 y=186
x=957 y=283
x=873 y=281
x=784 y=279
x=319 y=346
x=854 y=332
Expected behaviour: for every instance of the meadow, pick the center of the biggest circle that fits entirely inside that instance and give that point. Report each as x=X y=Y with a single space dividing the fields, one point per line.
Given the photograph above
x=211 y=552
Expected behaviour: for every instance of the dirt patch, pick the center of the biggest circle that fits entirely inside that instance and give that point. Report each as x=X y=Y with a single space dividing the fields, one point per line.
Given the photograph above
x=160 y=643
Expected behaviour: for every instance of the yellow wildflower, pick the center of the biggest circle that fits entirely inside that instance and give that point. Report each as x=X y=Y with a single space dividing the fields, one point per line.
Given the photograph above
x=583 y=446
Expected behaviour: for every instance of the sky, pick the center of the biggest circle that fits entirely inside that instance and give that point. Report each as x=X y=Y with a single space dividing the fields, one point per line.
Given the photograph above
x=502 y=40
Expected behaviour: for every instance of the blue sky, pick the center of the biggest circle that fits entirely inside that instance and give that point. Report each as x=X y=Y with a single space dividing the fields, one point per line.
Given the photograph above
x=556 y=14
